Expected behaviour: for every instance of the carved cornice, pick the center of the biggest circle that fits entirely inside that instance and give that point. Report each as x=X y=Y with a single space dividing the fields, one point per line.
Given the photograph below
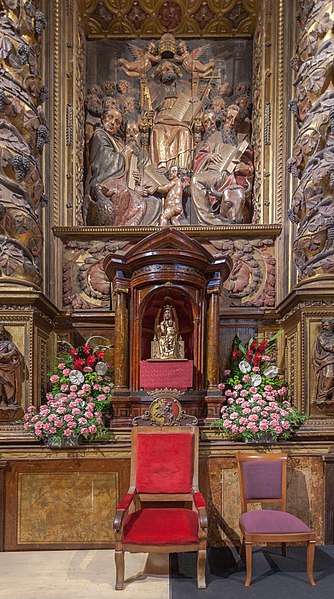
x=224 y=231
x=189 y=18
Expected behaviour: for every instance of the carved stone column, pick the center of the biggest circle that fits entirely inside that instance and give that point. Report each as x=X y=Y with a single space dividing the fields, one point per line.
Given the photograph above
x=121 y=337
x=312 y=161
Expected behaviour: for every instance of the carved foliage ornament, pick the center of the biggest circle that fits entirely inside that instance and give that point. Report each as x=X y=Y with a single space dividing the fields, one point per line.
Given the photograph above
x=312 y=161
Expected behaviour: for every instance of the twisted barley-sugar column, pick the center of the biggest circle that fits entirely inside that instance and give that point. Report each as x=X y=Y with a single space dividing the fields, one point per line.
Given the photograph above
x=121 y=339
x=212 y=339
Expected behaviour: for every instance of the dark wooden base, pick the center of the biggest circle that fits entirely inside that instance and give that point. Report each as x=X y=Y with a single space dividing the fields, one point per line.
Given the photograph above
x=128 y=405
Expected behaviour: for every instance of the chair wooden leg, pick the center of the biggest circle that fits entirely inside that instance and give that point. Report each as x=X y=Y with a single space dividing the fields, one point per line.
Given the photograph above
x=249 y=549
x=201 y=561
x=119 y=561
x=284 y=549
x=310 y=561
x=241 y=544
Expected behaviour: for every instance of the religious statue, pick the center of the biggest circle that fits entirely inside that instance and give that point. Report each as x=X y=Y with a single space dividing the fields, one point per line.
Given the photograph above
x=223 y=172
x=145 y=59
x=109 y=199
x=167 y=344
x=172 y=208
x=323 y=360
x=11 y=370
x=190 y=62
x=171 y=136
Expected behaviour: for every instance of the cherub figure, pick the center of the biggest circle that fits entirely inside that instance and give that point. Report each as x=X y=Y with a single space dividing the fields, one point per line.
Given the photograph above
x=190 y=62
x=173 y=208
x=145 y=59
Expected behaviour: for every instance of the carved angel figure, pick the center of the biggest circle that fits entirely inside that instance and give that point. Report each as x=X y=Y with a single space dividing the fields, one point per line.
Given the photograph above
x=190 y=62
x=145 y=59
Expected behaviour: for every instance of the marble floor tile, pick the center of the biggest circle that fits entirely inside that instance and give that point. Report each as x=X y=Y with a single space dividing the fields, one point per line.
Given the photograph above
x=81 y=575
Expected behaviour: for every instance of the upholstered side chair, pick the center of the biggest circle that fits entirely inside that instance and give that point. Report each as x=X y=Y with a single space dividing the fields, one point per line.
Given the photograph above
x=152 y=516
x=263 y=480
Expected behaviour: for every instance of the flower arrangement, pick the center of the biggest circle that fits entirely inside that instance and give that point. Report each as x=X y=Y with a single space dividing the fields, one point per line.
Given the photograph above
x=64 y=420
x=81 y=389
x=256 y=407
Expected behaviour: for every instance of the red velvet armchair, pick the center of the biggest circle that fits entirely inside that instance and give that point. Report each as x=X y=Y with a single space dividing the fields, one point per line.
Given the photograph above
x=263 y=480
x=164 y=471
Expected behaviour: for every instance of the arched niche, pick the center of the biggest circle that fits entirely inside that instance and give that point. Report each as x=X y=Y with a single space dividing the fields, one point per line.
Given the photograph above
x=152 y=308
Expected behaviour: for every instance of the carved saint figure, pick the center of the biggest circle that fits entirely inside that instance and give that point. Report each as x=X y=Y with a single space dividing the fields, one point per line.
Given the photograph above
x=109 y=200
x=223 y=172
x=145 y=59
x=189 y=60
x=173 y=208
x=323 y=360
x=171 y=137
x=11 y=370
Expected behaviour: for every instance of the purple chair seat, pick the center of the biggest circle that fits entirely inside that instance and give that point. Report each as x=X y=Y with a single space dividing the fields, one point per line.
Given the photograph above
x=272 y=522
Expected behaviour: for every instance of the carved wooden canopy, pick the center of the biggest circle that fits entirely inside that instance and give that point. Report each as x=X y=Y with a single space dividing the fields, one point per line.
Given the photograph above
x=189 y=18
x=168 y=246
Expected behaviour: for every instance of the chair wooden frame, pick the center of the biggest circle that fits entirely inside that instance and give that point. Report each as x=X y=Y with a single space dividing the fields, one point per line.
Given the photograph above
x=135 y=501
x=248 y=538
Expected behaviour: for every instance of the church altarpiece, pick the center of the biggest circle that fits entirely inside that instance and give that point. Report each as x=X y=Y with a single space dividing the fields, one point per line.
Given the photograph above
x=132 y=61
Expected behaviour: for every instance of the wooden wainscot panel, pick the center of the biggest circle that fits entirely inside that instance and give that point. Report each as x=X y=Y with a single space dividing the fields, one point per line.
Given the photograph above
x=305 y=490
x=63 y=503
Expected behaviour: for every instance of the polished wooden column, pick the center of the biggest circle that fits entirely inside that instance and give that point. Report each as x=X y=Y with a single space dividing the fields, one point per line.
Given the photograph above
x=329 y=497
x=121 y=339
x=3 y=466
x=212 y=338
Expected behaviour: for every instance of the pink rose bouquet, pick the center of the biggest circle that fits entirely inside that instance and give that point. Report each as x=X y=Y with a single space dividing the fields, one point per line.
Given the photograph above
x=81 y=389
x=255 y=403
x=65 y=418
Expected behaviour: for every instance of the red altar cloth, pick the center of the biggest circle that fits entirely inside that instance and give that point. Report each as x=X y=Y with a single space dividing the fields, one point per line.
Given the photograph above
x=159 y=374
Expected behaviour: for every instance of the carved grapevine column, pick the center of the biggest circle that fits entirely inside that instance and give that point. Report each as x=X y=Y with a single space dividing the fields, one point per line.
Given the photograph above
x=23 y=135
x=312 y=161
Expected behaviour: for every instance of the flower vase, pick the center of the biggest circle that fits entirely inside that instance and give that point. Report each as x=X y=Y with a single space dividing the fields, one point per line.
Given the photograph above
x=55 y=441
x=265 y=438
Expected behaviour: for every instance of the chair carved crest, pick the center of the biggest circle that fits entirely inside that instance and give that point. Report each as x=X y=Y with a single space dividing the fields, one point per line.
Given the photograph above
x=165 y=410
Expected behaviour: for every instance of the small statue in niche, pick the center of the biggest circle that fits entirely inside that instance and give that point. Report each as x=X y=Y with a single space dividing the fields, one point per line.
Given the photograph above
x=145 y=59
x=323 y=360
x=11 y=370
x=167 y=344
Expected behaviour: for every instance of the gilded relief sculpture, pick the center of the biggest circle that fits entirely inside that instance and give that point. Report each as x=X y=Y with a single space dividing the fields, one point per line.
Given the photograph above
x=152 y=158
x=323 y=362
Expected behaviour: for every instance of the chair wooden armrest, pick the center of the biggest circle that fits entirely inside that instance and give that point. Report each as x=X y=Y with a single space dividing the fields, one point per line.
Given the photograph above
x=200 y=505
x=122 y=509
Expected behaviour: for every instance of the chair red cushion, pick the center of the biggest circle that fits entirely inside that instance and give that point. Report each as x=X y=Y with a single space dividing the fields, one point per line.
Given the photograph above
x=165 y=463
x=272 y=522
x=161 y=526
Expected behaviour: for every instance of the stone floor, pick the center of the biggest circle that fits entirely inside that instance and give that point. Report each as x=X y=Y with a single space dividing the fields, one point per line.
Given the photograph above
x=81 y=575
x=91 y=575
